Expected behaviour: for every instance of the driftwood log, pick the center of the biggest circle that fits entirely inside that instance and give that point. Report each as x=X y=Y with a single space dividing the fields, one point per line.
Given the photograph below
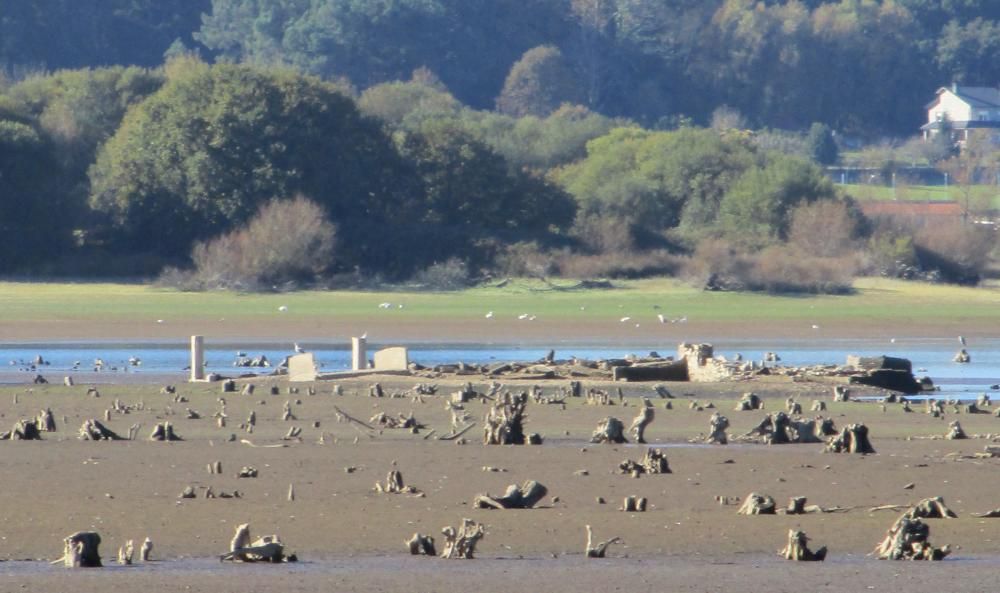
x=758 y=504
x=421 y=544
x=610 y=430
x=798 y=550
x=524 y=497
x=461 y=543
x=92 y=430
x=654 y=461
x=853 y=438
x=599 y=549
x=640 y=422
x=81 y=550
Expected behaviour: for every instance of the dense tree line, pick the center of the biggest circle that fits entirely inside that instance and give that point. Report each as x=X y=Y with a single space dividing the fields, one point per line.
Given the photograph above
x=863 y=67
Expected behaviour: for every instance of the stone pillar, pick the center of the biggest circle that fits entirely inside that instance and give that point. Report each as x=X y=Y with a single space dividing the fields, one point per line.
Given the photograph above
x=197 y=358
x=359 y=354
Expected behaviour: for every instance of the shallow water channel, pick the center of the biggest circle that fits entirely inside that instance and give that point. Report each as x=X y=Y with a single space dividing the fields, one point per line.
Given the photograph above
x=930 y=357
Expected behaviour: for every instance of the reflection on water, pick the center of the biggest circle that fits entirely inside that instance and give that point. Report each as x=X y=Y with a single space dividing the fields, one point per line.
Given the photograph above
x=931 y=357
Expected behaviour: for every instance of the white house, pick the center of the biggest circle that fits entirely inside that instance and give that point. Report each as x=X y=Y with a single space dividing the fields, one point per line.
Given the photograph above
x=964 y=108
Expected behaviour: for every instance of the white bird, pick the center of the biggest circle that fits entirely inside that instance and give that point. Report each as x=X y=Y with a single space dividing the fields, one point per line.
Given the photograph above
x=364 y=336
x=637 y=325
x=400 y=306
x=522 y=316
x=282 y=308
x=683 y=319
x=892 y=340
x=814 y=326
x=159 y=321
x=532 y=318
x=298 y=349
x=661 y=317
x=583 y=308
x=961 y=340
x=489 y=315
x=384 y=305
x=624 y=319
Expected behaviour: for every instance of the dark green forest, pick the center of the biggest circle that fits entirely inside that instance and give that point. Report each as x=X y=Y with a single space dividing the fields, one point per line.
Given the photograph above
x=451 y=139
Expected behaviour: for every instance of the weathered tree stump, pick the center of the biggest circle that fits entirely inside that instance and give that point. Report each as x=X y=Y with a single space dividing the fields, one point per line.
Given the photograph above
x=931 y=508
x=92 y=430
x=793 y=407
x=598 y=550
x=934 y=407
x=962 y=357
x=955 y=431
x=24 y=430
x=610 y=430
x=841 y=393
x=758 y=504
x=640 y=422
x=461 y=543
x=125 y=553
x=394 y=484
x=164 y=431
x=504 y=423
x=818 y=405
x=983 y=401
x=421 y=544
x=524 y=497
x=798 y=550
x=247 y=389
x=46 y=421
x=717 y=426
x=247 y=471
x=634 y=504
x=749 y=401
x=146 y=550
x=264 y=549
x=81 y=550
x=797 y=506
x=375 y=390
x=853 y=438
x=229 y=386
x=909 y=539
x=654 y=461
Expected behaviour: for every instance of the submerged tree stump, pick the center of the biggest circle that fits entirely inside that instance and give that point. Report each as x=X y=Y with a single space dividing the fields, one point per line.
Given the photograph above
x=654 y=461
x=962 y=357
x=909 y=539
x=599 y=549
x=853 y=438
x=841 y=393
x=758 y=504
x=394 y=484
x=421 y=544
x=610 y=430
x=46 y=421
x=461 y=543
x=640 y=422
x=524 y=497
x=81 y=550
x=92 y=430
x=718 y=425
x=798 y=550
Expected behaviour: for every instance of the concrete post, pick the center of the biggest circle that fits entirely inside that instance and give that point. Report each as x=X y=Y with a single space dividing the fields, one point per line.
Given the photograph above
x=359 y=354
x=197 y=358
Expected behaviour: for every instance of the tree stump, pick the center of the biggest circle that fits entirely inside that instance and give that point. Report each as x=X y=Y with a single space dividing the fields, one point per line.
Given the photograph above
x=983 y=401
x=264 y=549
x=421 y=544
x=24 y=430
x=146 y=550
x=797 y=506
x=934 y=407
x=654 y=461
x=461 y=543
x=504 y=423
x=909 y=539
x=758 y=504
x=931 y=508
x=599 y=549
x=962 y=357
x=46 y=421
x=717 y=426
x=164 y=431
x=81 y=550
x=524 y=497
x=247 y=389
x=818 y=405
x=634 y=504
x=853 y=438
x=125 y=553
x=394 y=484
x=92 y=430
x=640 y=422
x=229 y=386
x=610 y=430
x=798 y=550
x=793 y=407
x=841 y=393
x=749 y=401
x=955 y=431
